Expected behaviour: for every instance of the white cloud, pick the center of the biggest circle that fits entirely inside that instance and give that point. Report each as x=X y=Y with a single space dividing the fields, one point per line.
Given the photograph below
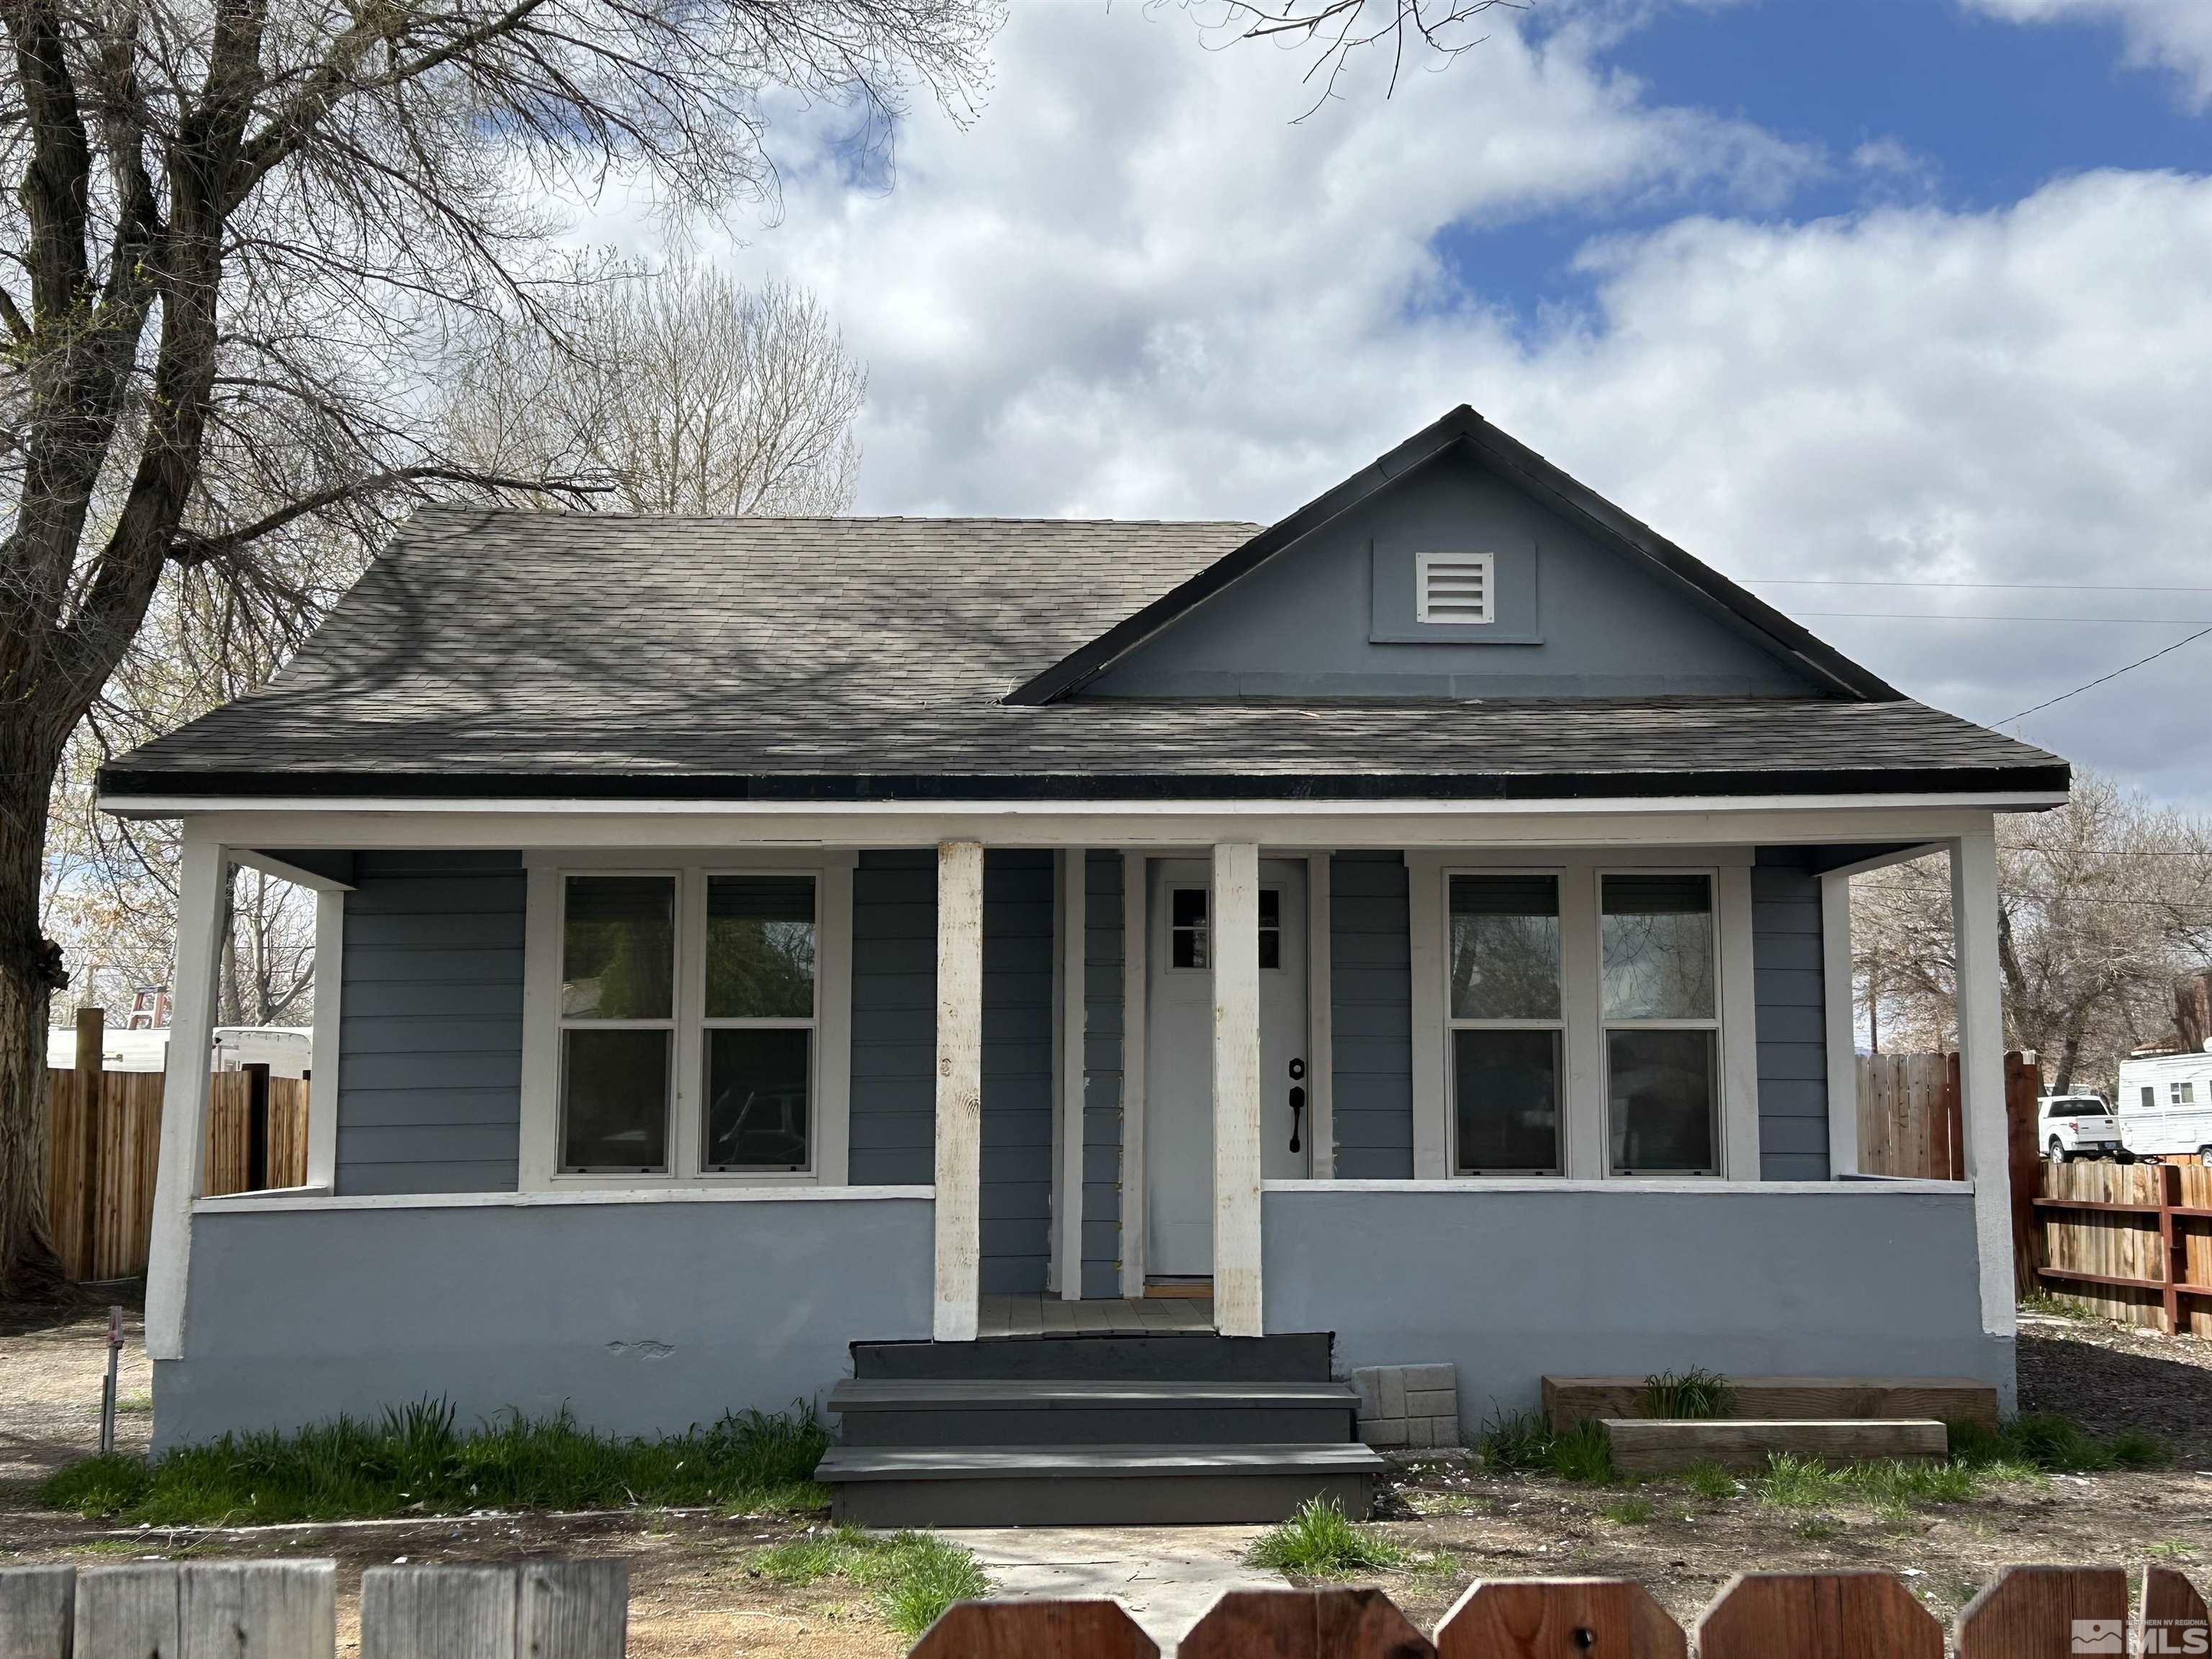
x=2175 y=34
x=1133 y=289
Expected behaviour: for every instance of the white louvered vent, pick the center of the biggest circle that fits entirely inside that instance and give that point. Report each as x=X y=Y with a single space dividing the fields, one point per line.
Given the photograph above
x=1453 y=587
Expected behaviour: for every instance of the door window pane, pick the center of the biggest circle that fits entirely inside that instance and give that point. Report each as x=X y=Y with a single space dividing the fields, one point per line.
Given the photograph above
x=1187 y=927
x=1505 y=1088
x=758 y=1082
x=1661 y=1084
x=1504 y=947
x=618 y=948
x=760 y=947
x=1271 y=928
x=614 y=1099
x=1658 y=942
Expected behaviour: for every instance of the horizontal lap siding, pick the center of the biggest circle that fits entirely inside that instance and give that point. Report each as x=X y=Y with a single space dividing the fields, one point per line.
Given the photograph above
x=430 y=1096
x=1102 y=1074
x=1793 y=1050
x=1370 y=1007
x=894 y=1099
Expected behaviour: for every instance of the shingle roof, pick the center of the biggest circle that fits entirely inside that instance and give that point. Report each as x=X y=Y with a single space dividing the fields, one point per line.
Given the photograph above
x=560 y=654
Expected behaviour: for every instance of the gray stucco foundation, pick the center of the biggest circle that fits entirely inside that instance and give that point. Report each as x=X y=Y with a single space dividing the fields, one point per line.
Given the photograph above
x=1510 y=1285
x=637 y=1317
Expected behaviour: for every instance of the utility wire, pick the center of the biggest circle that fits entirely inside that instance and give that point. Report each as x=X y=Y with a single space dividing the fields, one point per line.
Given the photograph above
x=1960 y=615
x=2104 y=678
x=2004 y=587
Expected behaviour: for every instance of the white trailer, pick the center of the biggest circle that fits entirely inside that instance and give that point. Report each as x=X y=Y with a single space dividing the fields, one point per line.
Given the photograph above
x=2165 y=1105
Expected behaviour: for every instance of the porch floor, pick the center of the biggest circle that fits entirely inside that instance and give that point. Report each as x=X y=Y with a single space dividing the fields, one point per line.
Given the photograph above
x=1048 y=1316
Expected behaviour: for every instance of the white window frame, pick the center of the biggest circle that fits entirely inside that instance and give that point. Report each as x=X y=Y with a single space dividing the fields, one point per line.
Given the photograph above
x=671 y=1022
x=1585 y=1105
x=1452 y=1023
x=1606 y=1025
x=829 y=1087
x=1488 y=564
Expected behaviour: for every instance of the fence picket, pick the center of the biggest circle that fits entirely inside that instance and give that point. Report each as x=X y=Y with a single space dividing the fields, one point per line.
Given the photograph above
x=1558 y=1618
x=2029 y=1612
x=438 y=1613
x=2170 y=1609
x=127 y=1611
x=1035 y=1630
x=1829 y=1615
x=257 y=1610
x=1293 y=1624
x=36 y=1605
x=572 y=1610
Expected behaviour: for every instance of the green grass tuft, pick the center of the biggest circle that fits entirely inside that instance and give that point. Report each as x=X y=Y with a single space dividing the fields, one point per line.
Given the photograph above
x=1319 y=1542
x=1581 y=1454
x=1635 y=1510
x=1696 y=1392
x=1709 y=1480
x=915 y=1576
x=416 y=1461
x=2045 y=1441
x=1521 y=1440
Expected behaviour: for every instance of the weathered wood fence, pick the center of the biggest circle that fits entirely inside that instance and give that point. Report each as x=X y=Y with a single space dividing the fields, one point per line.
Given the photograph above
x=2132 y=1241
x=579 y=1610
x=257 y=1137
x=1909 y=1118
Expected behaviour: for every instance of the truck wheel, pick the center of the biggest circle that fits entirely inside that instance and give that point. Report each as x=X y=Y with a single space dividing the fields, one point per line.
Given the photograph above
x=2058 y=1151
x=2205 y=1154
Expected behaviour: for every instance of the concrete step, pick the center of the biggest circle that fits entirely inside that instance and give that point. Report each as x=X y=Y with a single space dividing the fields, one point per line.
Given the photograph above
x=1647 y=1445
x=1093 y=1486
x=1156 y=1357
x=1570 y=1399
x=1015 y=1411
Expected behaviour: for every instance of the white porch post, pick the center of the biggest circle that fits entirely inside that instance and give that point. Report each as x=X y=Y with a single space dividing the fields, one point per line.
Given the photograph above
x=1067 y=1213
x=1841 y=1029
x=323 y=1087
x=958 y=1207
x=200 y=892
x=1236 y=951
x=1981 y=1072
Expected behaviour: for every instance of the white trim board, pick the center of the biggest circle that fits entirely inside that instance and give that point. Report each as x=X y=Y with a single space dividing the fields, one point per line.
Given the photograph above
x=258 y=1203
x=1629 y=1186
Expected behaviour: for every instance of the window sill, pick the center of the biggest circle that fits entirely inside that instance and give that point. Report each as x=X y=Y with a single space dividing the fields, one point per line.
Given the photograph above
x=297 y=1198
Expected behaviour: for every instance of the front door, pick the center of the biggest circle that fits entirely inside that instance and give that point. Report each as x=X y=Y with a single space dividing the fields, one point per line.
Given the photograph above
x=1179 y=1053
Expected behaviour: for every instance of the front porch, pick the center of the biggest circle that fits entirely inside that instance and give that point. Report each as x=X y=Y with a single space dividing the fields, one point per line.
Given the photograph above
x=1054 y=1316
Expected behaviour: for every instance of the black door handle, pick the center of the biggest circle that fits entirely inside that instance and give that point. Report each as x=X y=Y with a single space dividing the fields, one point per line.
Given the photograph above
x=1298 y=1111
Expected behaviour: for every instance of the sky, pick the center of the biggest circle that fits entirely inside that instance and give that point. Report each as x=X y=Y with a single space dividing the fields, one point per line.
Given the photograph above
x=1900 y=311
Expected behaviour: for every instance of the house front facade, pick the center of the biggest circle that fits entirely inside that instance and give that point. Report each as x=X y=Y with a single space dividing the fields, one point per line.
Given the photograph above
x=1423 y=922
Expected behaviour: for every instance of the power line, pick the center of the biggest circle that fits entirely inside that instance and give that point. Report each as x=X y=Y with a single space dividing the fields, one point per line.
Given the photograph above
x=2104 y=678
x=1960 y=615
x=2002 y=587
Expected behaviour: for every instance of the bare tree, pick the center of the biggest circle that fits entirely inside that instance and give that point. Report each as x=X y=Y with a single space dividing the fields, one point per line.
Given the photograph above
x=2103 y=906
x=681 y=389
x=235 y=234
x=1337 y=33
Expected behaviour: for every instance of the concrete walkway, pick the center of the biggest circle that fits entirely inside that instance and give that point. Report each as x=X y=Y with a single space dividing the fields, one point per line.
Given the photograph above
x=1166 y=1576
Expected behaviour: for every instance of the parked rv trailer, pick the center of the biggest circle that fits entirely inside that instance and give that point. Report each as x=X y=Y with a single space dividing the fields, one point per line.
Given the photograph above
x=2165 y=1105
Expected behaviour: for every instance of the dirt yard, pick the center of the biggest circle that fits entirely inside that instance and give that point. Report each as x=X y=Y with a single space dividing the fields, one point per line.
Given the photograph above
x=695 y=1595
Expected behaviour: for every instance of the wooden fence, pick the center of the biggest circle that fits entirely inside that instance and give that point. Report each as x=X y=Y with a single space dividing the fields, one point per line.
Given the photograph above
x=122 y=1149
x=2132 y=1241
x=1909 y=1117
x=579 y=1610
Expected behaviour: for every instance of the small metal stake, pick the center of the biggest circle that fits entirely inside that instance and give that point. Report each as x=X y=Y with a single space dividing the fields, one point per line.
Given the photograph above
x=108 y=1391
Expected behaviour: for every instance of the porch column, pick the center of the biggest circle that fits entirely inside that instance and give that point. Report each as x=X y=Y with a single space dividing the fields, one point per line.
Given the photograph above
x=1981 y=1073
x=959 y=1205
x=1840 y=1030
x=323 y=1085
x=200 y=894
x=1236 y=951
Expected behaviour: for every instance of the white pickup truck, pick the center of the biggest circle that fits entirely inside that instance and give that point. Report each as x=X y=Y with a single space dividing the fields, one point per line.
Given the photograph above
x=2078 y=1126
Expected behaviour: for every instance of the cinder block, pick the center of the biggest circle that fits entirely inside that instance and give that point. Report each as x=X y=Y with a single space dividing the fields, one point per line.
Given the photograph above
x=1431 y=1402
x=1420 y=1432
x=1368 y=1380
x=1431 y=1376
x=1392 y=1379
x=1380 y=1431
x=1443 y=1431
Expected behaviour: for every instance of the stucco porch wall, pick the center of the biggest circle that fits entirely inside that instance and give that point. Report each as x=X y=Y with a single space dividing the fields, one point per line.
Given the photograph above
x=639 y=1317
x=1510 y=1284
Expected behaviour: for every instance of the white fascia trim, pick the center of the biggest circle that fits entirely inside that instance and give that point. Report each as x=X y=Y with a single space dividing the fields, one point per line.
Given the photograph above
x=171 y=806
x=1703 y=1186
x=256 y=1203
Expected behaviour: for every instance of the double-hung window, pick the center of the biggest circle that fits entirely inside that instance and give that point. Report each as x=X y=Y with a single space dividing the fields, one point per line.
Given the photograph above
x=1661 y=1020
x=618 y=1023
x=1508 y=1029
x=759 y=1023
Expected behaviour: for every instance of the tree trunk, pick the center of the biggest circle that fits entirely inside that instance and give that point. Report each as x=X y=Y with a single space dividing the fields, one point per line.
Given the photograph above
x=30 y=968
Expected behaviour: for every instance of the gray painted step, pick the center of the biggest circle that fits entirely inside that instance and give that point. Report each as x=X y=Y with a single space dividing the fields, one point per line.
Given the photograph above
x=928 y=1411
x=1093 y=1486
x=1164 y=1357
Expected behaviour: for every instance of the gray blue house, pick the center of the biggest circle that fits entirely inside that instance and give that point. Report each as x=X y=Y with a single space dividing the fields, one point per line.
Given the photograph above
x=1423 y=922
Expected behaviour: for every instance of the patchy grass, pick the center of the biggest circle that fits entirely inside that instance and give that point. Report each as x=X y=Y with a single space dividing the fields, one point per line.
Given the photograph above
x=1523 y=1441
x=1635 y=1510
x=1710 y=1481
x=914 y=1576
x=1320 y=1543
x=2046 y=1441
x=1696 y=1392
x=416 y=1462
x=2056 y=1307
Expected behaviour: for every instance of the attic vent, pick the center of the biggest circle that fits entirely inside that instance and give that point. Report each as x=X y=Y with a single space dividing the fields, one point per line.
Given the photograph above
x=1453 y=588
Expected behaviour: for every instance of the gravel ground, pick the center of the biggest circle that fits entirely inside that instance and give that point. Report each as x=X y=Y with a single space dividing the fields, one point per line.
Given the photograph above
x=696 y=1593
